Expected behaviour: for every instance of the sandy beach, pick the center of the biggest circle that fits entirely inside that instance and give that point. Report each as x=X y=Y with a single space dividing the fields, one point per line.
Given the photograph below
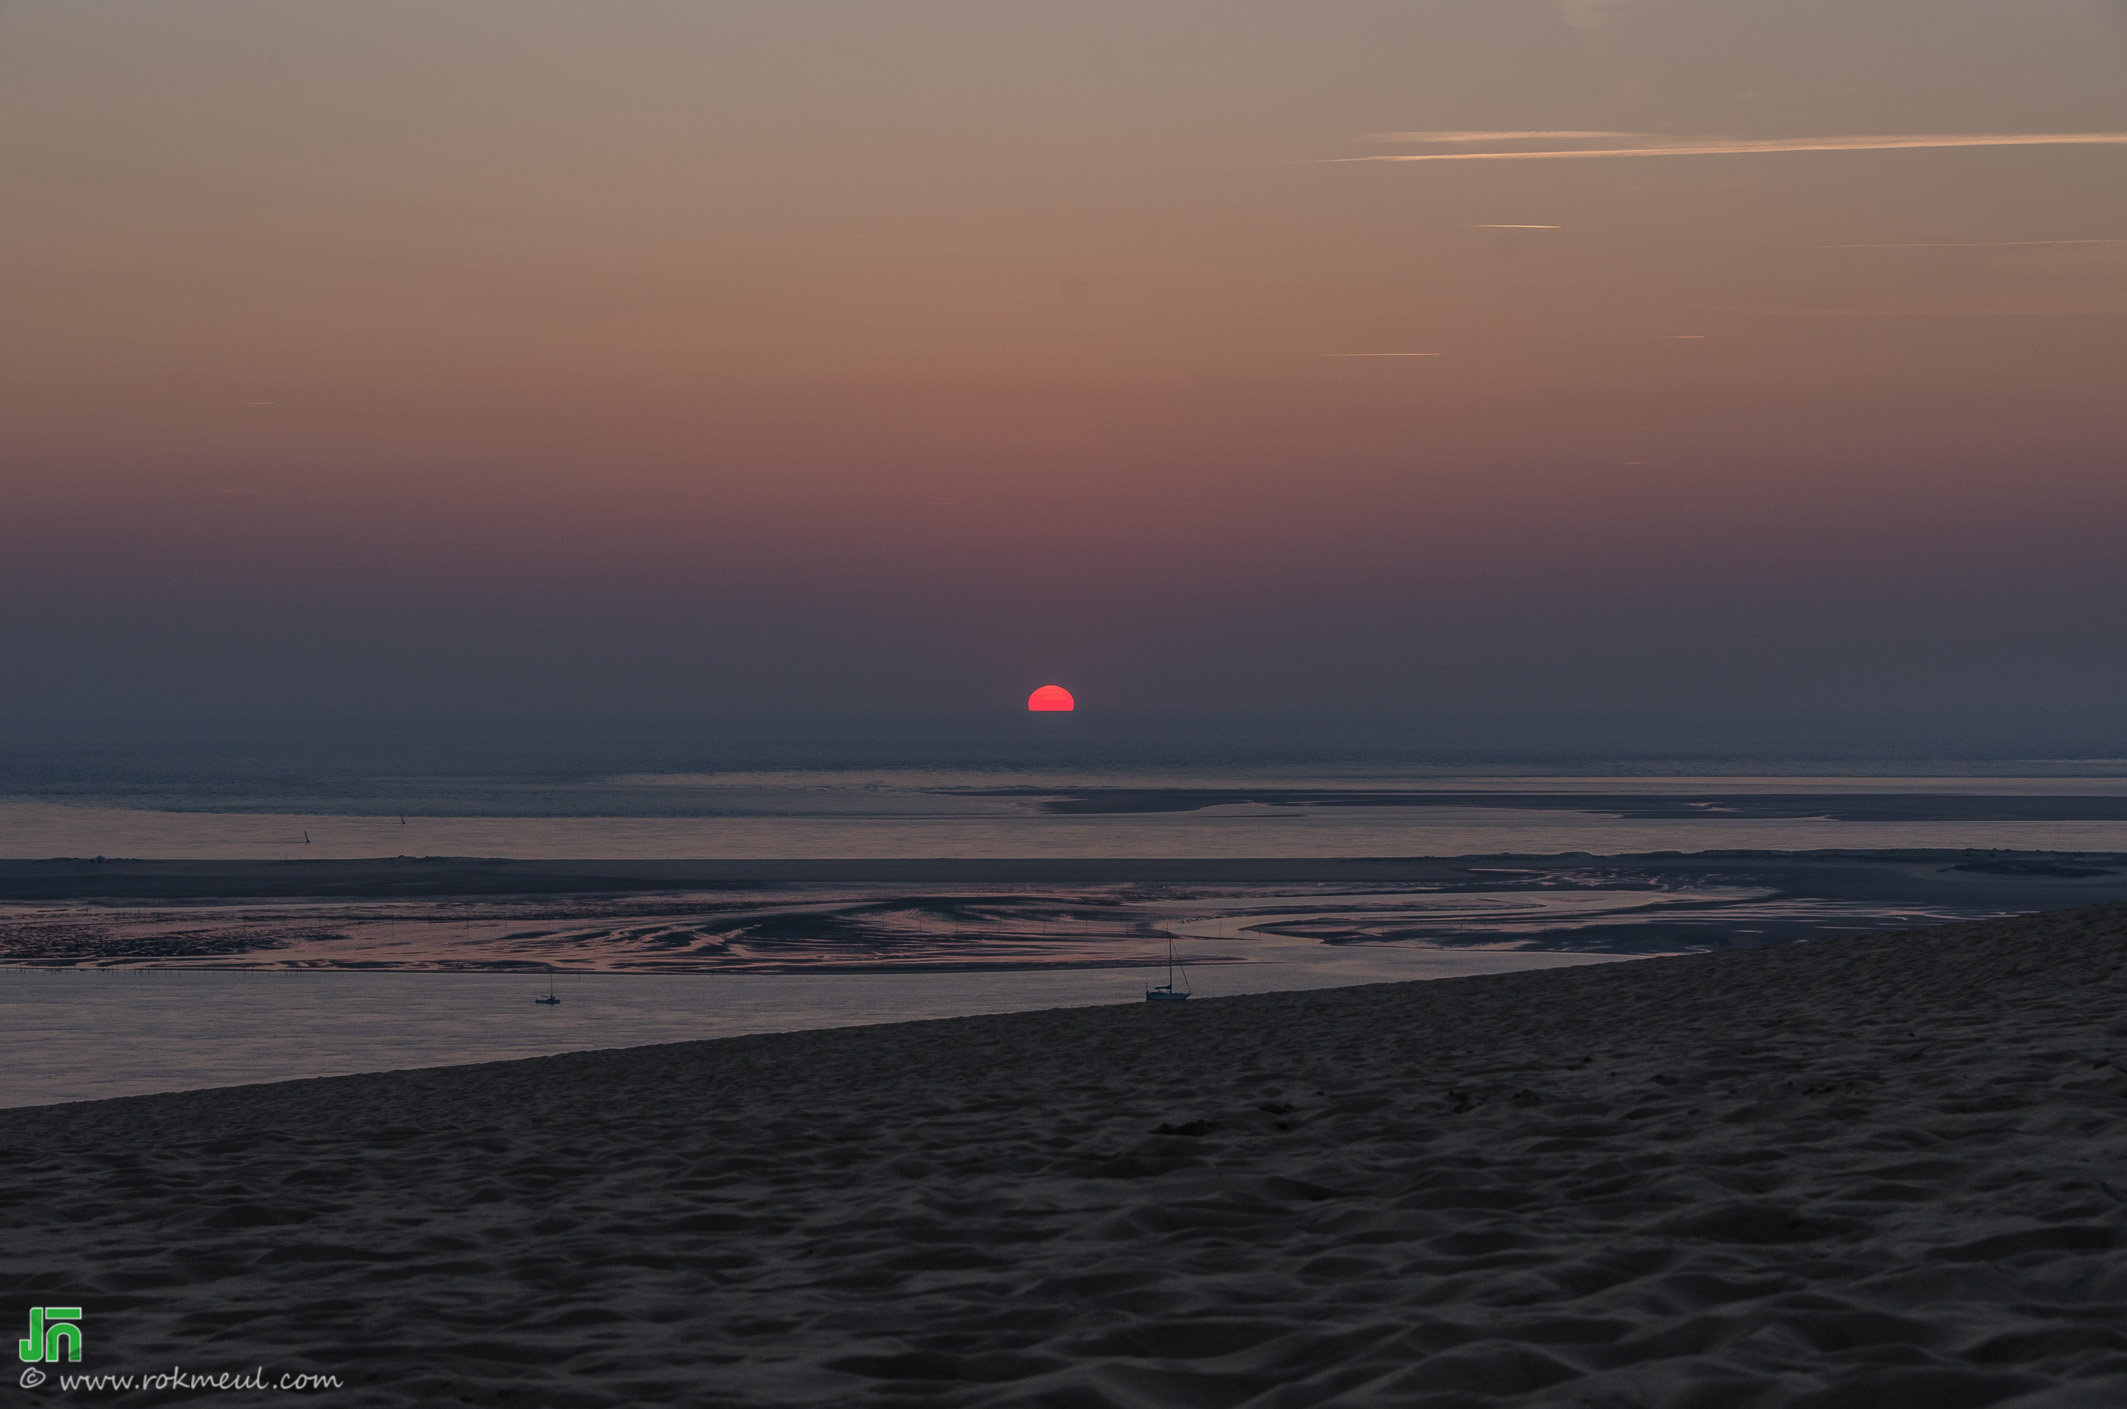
x=1871 y=1172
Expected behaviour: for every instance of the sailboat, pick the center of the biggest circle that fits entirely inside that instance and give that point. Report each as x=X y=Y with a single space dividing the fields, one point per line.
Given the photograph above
x=550 y=998
x=1167 y=992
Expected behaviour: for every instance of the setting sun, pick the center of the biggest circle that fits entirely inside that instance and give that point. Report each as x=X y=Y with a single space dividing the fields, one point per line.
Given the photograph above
x=1051 y=697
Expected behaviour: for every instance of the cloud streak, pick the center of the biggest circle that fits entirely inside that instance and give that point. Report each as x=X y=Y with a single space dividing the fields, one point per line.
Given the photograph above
x=2067 y=307
x=1739 y=146
x=1974 y=244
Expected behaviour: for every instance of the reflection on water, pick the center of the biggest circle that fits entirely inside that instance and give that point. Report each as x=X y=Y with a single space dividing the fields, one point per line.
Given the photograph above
x=820 y=928
x=82 y=1034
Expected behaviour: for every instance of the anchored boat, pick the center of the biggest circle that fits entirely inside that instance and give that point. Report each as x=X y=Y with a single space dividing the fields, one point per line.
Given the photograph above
x=1168 y=992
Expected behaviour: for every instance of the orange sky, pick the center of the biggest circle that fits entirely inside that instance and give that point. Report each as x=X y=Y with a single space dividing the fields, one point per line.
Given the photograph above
x=460 y=353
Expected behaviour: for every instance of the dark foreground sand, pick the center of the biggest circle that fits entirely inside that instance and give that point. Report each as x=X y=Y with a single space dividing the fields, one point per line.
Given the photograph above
x=1882 y=1173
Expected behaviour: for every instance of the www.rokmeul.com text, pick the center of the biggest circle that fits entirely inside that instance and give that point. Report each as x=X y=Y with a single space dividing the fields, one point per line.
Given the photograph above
x=177 y=1377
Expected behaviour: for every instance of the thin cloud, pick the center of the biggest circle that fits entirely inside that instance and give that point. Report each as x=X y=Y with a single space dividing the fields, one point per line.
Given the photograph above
x=1995 y=308
x=1973 y=244
x=1735 y=146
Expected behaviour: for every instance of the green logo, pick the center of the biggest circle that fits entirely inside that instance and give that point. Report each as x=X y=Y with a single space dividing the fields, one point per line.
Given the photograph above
x=51 y=1328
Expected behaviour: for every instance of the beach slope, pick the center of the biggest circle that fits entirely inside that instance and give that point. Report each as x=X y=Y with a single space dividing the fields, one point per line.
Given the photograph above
x=1874 y=1172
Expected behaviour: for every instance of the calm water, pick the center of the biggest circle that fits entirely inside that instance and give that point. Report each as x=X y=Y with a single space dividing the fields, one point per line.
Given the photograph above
x=932 y=813
x=77 y=1034
x=979 y=787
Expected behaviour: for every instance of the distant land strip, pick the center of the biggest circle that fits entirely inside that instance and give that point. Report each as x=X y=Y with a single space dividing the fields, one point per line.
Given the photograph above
x=2023 y=879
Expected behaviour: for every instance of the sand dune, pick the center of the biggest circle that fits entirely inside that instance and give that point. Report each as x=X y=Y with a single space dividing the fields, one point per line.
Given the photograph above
x=1875 y=1172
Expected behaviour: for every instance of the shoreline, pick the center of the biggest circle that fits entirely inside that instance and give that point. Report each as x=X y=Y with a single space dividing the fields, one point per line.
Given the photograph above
x=75 y=1035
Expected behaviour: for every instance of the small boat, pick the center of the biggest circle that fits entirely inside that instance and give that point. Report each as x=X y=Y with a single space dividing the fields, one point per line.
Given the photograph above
x=550 y=998
x=1167 y=992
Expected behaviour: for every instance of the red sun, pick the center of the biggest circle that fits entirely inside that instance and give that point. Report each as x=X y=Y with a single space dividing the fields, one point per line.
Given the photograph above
x=1051 y=697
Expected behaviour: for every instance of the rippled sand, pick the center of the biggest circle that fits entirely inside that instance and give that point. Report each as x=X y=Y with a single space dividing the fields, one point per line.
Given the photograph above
x=1873 y=1172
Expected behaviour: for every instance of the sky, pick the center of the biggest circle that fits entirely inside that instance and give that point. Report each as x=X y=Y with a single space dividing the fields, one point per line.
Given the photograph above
x=1198 y=355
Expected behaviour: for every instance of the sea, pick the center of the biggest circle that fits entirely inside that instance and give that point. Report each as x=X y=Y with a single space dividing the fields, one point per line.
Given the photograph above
x=1052 y=785
x=937 y=787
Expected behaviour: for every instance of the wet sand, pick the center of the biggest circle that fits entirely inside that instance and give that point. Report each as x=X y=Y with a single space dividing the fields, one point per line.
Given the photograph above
x=1880 y=1171
x=462 y=914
